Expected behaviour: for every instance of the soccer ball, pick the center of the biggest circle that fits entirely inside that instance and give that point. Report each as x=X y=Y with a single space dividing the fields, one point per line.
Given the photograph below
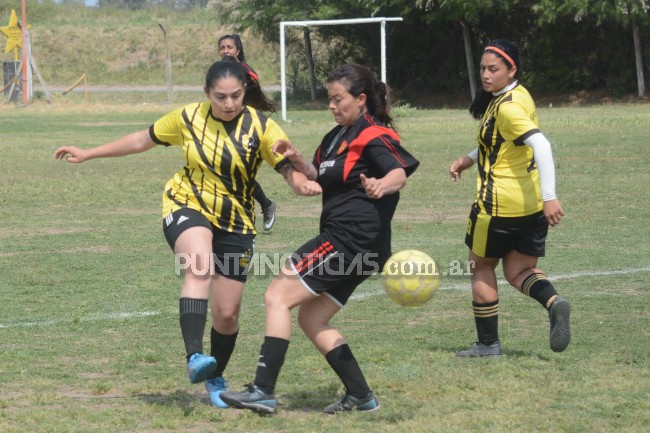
x=410 y=278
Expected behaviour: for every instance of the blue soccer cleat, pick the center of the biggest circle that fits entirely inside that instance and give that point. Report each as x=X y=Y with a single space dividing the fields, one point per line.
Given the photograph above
x=215 y=387
x=200 y=366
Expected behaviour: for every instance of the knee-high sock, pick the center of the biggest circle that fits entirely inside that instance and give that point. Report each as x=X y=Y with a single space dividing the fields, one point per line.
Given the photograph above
x=193 y=313
x=221 y=347
x=260 y=197
x=538 y=287
x=347 y=369
x=272 y=354
x=486 y=318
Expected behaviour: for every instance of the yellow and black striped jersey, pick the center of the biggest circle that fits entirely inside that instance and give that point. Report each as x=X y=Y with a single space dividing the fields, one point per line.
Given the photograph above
x=222 y=159
x=508 y=180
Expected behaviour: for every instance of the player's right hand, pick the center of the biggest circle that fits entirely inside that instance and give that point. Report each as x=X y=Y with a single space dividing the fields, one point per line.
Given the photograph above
x=70 y=154
x=458 y=166
x=286 y=148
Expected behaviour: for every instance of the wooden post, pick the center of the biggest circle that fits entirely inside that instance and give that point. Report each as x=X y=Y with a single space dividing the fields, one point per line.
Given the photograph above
x=469 y=59
x=310 y=64
x=639 y=59
x=32 y=64
x=24 y=53
x=168 y=63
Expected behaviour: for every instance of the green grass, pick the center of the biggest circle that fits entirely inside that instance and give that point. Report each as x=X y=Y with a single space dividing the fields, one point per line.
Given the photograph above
x=89 y=336
x=127 y=47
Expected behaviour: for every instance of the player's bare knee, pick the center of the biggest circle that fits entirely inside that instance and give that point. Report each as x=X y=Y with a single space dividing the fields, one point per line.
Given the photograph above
x=515 y=277
x=226 y=322
x=274 y=298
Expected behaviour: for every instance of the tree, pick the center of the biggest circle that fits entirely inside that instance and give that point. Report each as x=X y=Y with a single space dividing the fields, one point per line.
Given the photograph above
x=563 y=42
x=486 y=19
x=263 y=17
x=629 y=13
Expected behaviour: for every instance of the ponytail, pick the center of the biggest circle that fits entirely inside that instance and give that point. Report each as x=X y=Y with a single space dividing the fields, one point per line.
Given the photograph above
x=359 y=79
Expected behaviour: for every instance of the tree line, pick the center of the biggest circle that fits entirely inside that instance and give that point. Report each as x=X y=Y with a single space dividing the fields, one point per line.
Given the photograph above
x=567 y=45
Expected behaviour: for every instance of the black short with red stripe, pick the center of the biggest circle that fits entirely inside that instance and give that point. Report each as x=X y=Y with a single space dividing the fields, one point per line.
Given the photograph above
x=326 y=267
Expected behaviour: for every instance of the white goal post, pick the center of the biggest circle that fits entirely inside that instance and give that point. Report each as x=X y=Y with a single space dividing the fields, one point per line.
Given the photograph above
x=284 y=24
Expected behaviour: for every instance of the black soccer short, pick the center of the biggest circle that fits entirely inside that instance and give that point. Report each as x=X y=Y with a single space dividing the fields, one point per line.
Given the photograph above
x=489 y=236
x=325 y=267
x=232 y=252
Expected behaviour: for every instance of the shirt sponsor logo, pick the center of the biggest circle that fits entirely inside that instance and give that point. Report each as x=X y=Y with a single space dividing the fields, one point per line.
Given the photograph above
x=324 y=166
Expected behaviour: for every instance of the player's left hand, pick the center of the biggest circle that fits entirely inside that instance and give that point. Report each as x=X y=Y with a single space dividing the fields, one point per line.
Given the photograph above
x=553 y=212
x=374 y=187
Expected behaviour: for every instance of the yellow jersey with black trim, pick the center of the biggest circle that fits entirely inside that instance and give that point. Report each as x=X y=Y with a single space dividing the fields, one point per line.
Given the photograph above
x=222 y=159
x=508 y=179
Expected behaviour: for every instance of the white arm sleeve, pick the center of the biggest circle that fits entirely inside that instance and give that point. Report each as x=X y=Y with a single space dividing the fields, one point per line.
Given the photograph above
x=473 y=154
x=543 y=156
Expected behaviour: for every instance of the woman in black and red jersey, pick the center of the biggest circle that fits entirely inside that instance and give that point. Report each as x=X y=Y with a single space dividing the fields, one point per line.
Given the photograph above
x=360 y=166
x=232 y=46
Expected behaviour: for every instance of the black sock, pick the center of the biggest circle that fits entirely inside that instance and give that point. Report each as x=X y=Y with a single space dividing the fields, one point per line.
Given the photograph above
x=260 y=197
x=347 y=369
x=193 y=313
x=272 y=355
x=221 y=347
x=486 y=317
x=538 y=287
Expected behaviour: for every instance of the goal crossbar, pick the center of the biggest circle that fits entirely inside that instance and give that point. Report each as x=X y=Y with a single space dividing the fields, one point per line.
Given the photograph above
x=284 y=24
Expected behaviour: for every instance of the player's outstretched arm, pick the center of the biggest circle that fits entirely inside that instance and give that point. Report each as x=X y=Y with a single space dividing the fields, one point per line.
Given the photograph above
x=135 y=142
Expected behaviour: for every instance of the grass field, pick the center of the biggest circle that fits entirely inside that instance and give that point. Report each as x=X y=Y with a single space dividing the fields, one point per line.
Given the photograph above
x=89 y=335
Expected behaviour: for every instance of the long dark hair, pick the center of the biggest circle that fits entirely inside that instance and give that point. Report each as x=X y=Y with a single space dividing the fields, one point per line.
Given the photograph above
x=501 y=46
x=240 y=46
x=229 y=67
x=358 y=79
x=255 y=96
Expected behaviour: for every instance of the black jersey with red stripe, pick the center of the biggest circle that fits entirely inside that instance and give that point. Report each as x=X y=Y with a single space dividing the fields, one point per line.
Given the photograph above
x=357 y=222
x=251 y=73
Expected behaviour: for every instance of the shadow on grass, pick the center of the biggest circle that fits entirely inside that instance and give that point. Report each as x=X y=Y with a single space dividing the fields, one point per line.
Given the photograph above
x=507 y=353
x=314 y=400
x=310 y=399
x=186 y=401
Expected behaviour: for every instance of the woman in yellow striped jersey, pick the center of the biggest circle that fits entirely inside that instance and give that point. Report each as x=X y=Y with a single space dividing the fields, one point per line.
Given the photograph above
x=208 y=217
x=515 y=202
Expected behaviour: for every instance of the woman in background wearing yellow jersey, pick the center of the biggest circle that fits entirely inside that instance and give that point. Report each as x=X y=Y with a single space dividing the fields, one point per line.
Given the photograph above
x=515 y=203
x=208 y=217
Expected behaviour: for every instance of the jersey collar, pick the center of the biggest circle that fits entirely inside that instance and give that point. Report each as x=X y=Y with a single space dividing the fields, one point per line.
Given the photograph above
x=508 y=88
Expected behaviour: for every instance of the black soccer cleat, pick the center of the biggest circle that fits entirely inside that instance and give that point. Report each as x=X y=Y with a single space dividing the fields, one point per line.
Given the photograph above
x=348 y=403
x=253 y=398
x=479 y=349
x=560 y=315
